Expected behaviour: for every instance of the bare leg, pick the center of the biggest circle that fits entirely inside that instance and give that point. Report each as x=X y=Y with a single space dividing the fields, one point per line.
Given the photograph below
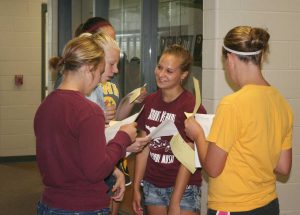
x=188 y=213
x=115 y=206
x=155 y=210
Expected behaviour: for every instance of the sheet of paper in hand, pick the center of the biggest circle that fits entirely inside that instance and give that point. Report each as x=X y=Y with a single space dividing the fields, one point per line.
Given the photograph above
x=112 y=130
x=166 y=128
x=183 y=152
x=197 y=96
x=205 y=120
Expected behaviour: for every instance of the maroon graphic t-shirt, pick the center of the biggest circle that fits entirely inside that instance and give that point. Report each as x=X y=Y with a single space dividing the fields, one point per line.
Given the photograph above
x=162 y=165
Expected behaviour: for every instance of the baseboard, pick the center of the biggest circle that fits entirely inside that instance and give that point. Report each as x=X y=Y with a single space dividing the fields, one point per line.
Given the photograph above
x=11 y=159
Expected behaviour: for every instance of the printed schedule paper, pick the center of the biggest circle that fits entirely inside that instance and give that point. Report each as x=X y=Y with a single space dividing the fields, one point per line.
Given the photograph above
x=205 y=120
x=114 y=127
x=166 y=128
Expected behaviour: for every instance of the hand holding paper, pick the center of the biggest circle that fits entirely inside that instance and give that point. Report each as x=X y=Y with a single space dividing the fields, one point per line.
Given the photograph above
x=111 y=131
x=130 y=129
x=139 y=144
x=205 y=120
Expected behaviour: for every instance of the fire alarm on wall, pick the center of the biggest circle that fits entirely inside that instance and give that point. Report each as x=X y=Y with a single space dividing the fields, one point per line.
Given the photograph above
x=18 y=80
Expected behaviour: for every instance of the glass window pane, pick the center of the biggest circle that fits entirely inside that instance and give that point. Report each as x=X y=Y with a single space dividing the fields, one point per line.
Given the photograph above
x=125 y=16
x=180 y=22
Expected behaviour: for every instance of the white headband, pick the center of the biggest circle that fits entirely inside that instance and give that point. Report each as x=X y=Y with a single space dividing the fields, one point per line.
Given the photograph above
x=241 y=53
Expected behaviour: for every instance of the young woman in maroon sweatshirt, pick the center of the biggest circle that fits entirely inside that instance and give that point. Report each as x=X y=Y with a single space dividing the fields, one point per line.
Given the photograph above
x=72 y=153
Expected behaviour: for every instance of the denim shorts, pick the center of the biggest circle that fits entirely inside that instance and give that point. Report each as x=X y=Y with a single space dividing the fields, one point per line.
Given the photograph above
x=190 y=200
x=43 y=209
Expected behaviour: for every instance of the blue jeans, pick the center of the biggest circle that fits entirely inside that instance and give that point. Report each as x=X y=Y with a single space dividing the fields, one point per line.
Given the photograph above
x=190 y=200
x=43 y=209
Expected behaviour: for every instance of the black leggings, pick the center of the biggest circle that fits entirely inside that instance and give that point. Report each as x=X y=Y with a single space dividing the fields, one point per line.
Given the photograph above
x=270 y=209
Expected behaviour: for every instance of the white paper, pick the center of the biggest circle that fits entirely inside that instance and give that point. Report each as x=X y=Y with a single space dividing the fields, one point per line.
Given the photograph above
x=205 y=120
x=166 y=128
x=111 y=131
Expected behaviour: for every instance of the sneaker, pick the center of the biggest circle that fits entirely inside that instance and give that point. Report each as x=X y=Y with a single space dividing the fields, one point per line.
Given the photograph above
x=122 y=165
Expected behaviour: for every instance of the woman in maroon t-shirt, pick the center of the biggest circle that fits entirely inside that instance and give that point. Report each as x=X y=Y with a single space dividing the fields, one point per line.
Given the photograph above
x=72 y=154
x=168 y=187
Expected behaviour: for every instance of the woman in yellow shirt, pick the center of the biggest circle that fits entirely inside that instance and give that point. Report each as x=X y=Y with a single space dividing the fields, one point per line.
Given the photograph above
x=250 y=140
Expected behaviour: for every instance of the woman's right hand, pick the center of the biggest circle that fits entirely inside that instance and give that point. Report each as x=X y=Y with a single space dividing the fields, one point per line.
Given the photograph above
x=136 y=202
x=139 y=144
x=130 y=129
x=193 y=129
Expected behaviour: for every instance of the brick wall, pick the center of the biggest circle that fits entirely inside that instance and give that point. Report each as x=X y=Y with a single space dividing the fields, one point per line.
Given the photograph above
x=20 y=45
x=281 y=18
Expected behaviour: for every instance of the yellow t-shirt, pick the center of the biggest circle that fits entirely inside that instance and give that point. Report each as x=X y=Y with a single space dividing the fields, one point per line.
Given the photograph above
x=110 y=93
x=253 y=126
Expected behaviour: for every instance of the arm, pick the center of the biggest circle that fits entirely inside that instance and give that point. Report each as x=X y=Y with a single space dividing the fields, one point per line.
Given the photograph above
x=212 y=157
x=140 y=168
x=285 y=162
x=182 y=179
x=125 y=108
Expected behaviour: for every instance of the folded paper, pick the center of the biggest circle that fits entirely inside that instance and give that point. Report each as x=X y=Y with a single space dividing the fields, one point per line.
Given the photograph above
x=183 y=152
x=135 y=93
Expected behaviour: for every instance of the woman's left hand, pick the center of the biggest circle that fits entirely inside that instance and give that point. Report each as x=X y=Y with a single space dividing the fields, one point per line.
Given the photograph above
x=119 y=187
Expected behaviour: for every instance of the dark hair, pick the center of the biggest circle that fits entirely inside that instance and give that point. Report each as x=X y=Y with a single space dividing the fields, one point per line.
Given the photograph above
x=182 y=53
x=247 y=39
x=78 y=52
x=92 y=25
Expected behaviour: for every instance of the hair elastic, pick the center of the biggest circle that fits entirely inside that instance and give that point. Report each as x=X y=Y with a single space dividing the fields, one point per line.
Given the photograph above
x=241 y=53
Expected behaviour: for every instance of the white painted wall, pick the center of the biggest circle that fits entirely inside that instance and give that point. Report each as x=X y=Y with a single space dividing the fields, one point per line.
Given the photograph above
x=281 y=18
x=20 y=45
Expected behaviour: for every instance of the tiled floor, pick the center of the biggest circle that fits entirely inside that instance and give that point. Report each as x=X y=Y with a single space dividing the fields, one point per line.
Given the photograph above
x=20 y=188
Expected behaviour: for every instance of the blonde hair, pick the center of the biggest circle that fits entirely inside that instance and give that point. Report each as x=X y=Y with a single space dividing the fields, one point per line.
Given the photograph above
x=105 y=41
x=78 y=52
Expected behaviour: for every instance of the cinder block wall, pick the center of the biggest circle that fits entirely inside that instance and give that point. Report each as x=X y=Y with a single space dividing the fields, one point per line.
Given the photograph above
x=281 y=18
x=20 y=45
